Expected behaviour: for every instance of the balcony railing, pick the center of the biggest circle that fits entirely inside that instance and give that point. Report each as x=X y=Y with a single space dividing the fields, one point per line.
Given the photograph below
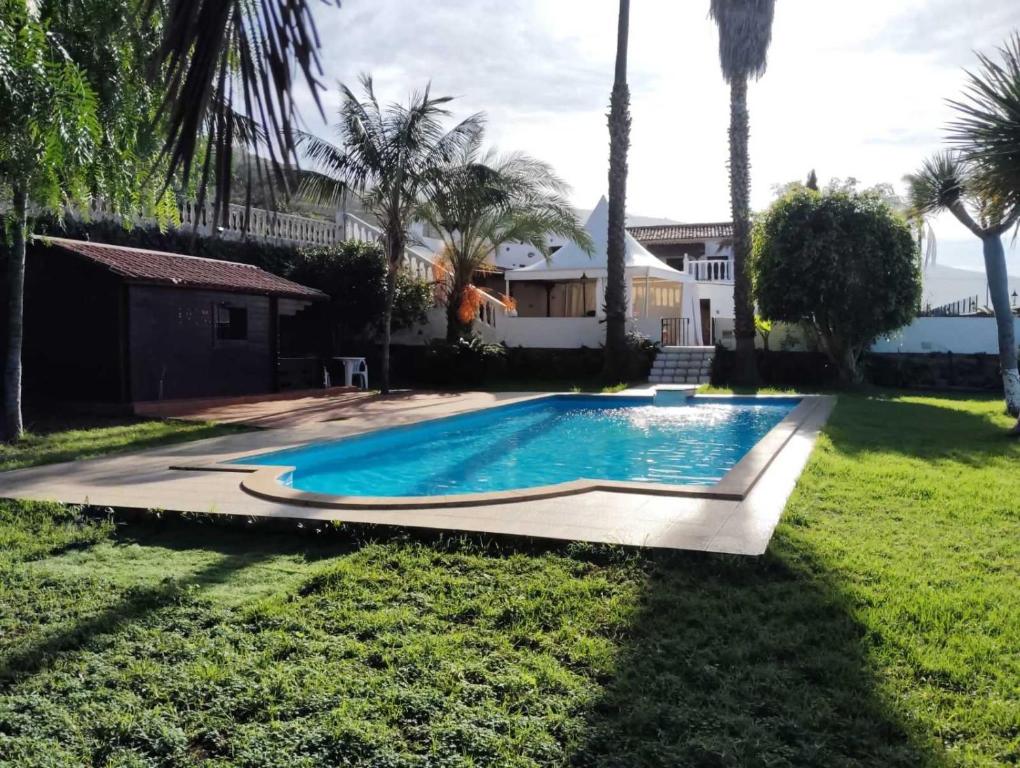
x=711 y=270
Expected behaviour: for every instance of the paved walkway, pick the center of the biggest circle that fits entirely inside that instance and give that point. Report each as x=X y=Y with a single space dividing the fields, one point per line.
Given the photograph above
x=143 y=480
x=314 y=408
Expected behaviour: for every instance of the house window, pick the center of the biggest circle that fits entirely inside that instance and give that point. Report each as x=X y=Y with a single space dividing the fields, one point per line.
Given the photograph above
x=231 y=323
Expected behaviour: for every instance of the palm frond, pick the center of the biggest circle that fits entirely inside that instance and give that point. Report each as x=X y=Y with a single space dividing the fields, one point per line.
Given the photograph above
x=745 y=33
x=940 y=183
x=207 y=46
x=987 y=129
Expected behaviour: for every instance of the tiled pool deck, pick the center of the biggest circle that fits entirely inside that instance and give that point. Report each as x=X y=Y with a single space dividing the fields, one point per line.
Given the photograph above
x=144 y=480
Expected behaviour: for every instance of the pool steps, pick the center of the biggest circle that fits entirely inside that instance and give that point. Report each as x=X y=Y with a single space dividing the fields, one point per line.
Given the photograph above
x=682 y=365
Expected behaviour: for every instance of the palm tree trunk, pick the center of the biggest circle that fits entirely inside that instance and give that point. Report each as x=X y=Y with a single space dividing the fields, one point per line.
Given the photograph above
x=13 y=425
x=619 y=142
x=455 y=329
x=746 y=372
x=395 y=256
x=995 y=270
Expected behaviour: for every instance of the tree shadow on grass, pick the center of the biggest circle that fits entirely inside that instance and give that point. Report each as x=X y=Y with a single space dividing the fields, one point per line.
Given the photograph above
x=736 y=661
x=28 y=659
x=920 y=430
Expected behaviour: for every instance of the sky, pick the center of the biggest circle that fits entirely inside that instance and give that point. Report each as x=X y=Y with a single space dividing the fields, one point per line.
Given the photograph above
x=852 y=89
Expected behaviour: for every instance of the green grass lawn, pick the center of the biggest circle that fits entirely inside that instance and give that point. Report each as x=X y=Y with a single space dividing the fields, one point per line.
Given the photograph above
x=64 y=438
x=881 y=629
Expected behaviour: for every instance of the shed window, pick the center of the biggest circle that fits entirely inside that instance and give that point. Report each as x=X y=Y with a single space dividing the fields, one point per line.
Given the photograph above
x=231 y=323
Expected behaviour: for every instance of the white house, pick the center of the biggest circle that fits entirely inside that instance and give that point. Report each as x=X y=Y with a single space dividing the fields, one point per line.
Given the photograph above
x=563 y=297
x=704 y=252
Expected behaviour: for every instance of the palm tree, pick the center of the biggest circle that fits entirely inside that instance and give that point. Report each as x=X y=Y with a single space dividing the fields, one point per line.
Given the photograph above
x=616 y=249
x=745 y=31
x=948 y=182
x=389 y=158
x=988 y=130
x=483 y=200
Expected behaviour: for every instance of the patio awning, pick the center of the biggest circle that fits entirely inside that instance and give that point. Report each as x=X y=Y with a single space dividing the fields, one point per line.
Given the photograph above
x=572 y=263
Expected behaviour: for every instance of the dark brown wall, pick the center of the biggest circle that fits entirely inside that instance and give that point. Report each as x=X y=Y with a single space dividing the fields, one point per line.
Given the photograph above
x=172 y=337
x=72 y=329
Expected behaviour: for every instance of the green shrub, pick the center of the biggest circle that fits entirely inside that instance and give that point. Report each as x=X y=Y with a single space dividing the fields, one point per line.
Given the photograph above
x=466 y=362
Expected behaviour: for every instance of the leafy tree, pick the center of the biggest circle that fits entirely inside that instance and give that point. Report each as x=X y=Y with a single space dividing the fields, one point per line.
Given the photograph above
x=390 y=158
x=947 y=182
x=616 y=248
x=812 y=181
x=483 y=200
x=75 y=121
x=856 y=269
x=745 y=32
x=48 y=133
x=988 y=133
x=354 y=275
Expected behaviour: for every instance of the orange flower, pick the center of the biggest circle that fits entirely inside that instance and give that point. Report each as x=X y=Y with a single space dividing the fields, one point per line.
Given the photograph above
x=470 y=302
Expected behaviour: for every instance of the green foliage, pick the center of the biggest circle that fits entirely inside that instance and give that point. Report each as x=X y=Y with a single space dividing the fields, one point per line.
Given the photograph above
x=354 y=275
x=764 y=328
x=76 y=109
x=465 y=362
x=845 y=262
x=49 y=124
x=879 y=630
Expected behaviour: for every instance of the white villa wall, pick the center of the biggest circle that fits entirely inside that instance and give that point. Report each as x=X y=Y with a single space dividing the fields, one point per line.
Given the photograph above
x=553 y=332
x=959 y=335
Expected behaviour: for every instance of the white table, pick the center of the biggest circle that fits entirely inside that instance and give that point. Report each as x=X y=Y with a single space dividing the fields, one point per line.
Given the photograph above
x=353 y=365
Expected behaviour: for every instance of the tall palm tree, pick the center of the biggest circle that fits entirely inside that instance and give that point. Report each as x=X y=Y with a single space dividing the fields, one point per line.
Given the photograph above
x=616 y=248
x=948 y=182
x=390 y=158
x=987 y=131
x=483 y=200
x=745 y=32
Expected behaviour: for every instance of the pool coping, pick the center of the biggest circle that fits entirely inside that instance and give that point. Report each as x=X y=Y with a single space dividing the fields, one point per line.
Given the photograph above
x=262 y=481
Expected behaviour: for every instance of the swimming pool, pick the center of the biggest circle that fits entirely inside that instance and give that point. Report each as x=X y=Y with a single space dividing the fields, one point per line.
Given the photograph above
x=537 y=443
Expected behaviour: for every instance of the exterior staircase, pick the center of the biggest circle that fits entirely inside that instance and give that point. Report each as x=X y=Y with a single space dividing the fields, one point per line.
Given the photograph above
x=682 y=365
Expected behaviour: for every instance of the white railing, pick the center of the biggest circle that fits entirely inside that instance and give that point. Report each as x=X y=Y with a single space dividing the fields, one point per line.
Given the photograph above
x=711 y=270
x=241 y=223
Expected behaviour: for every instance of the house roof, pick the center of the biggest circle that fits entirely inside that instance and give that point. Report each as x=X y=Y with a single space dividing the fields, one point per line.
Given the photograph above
x=572 y=261
x=669 y=233
x=180 y=271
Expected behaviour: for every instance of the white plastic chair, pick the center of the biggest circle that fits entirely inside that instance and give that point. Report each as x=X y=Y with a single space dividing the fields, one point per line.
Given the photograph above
x=362 y=372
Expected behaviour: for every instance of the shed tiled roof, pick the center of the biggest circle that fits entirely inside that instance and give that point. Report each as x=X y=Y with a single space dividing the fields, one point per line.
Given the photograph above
x=668 y=233
x=179 y=271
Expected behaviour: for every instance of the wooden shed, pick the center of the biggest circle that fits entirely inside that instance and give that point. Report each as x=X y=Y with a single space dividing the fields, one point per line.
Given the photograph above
x=111 y=324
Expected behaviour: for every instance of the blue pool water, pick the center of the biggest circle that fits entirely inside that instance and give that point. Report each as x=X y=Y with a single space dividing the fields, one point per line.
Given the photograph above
x=539 y=442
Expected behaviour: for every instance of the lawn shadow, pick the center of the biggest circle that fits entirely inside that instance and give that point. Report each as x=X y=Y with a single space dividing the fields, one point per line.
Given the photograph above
x=137 y=603
x=735 y=661
x=889 y=424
